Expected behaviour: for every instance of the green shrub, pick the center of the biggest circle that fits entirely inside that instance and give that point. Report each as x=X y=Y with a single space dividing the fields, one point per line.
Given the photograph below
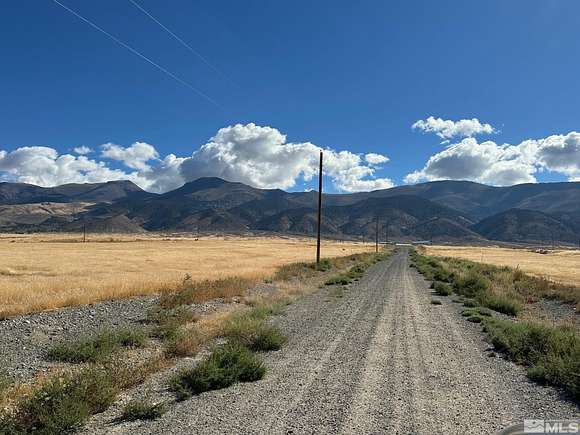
x=338 y=280
x=264 y=310
x=254 y=333
x=227 y=364
x=186 y=342
x=478 y=311
x=442 y=274
x=474 y=319
x=552 y=353
x=65 y=402
x=469 y=303
x=8 y=424
x=97 y=347
x=442 y=288
x=168 y=322
x=471 y=284
x=503 y=304
x=143 y=409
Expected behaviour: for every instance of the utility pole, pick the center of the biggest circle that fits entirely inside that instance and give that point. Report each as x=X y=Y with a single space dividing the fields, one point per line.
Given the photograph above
x=319 y=211
x=387 y=233
x=377 y=234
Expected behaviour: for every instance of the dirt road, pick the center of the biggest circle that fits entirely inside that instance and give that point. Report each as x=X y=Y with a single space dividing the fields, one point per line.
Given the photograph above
x=381 y=359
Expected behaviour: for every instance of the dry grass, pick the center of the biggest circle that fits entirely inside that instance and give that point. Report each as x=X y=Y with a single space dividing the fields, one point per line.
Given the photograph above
x=43 y=272
x=561 y=266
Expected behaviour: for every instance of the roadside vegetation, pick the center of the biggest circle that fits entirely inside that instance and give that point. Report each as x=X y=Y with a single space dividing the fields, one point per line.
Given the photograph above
x=61 y=403
x=550 y=351
x=98 y=366
x=97 y=347
x=559 y=265
x=227 y=364
x=142 y=409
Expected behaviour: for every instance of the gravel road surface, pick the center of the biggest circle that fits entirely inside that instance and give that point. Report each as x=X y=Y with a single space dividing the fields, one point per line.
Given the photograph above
x=380 y=359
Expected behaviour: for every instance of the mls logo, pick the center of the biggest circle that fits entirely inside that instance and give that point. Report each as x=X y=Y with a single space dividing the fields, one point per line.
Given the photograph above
x=533 y=426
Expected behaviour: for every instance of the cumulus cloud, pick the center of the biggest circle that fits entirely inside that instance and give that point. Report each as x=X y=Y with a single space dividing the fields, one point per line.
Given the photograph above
x=135 y=156
x=376 y=159
x=447 y=129
x=82 y=150
x=256 y=155
x=561 y=153
x=261 y=156
x=45 y=167
x=502 y=165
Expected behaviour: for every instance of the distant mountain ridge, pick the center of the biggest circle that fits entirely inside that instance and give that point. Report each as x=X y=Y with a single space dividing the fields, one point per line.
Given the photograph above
x=440 y=210
x=21 y=193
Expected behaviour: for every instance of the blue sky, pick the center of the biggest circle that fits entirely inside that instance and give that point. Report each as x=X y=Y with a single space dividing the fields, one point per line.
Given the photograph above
x=347 y=76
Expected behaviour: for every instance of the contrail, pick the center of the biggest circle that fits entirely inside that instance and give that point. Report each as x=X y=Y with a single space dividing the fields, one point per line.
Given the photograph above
x=142 y=56
x=181 y=41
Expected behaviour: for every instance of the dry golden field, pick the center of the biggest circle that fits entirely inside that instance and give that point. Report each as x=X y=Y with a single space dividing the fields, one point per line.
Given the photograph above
x=42 y=272
x=559 y=265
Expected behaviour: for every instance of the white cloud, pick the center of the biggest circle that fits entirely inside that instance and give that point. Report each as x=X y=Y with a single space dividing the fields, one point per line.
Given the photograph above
x=165 y=176
x=376 y=159
x=135 y=156
x=259 y=156
x=502 y=165
x=43 y=166
x=447 y=129
x=82 y=150
x=561 y=153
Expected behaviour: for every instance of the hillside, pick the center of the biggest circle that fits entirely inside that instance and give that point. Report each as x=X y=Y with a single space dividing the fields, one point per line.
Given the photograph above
x=21 y=193
x=516 y=225
x=452 y=211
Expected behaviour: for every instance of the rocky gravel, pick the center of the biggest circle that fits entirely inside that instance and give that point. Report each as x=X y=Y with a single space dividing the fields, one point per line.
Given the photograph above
x=24 y=340
x=379 y=359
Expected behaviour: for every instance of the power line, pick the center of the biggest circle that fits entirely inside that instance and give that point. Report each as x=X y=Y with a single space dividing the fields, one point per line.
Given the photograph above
x=181 y=41
x=142 y=56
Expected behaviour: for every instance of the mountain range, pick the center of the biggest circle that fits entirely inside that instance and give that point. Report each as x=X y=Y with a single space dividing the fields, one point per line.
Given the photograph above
x=447 y=211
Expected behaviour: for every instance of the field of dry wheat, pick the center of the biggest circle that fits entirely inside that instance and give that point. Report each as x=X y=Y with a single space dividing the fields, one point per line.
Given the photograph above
x=559 y=265
x=39 y=272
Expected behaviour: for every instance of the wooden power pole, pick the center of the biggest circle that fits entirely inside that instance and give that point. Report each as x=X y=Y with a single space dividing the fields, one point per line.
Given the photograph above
x=377 y=234
x=319 y=211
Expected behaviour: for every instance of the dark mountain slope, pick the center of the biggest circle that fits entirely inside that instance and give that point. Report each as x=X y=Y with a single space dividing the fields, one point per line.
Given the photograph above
x=516 y=225
x=442 y=210
x=20 y=193
x=478 y=201
x=407 y=217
